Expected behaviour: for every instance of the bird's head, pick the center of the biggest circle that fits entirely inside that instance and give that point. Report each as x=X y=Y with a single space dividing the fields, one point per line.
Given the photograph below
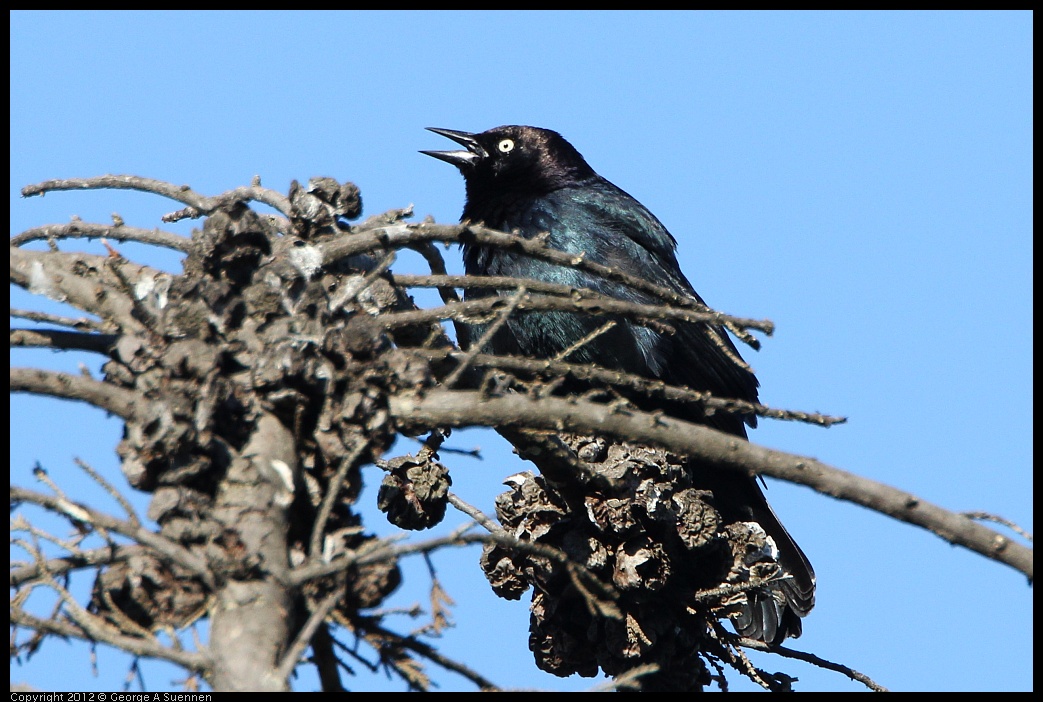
x=514 y=159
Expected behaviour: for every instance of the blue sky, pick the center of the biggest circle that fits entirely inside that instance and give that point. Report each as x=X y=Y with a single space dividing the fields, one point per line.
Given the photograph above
x=862 y=179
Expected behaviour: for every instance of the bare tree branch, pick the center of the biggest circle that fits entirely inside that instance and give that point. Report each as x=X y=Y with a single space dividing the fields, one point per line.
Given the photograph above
x=429 y=652
x=60 y=566
x=87 y=282
x=300 y=644
x=70 y=341
x=119 y=401
x=470 y=309
x=809 y=658
x=198 y=205
x=85 y=230
x=652 y=388
x=197 y=662
x=455 y=408
x=164 y=547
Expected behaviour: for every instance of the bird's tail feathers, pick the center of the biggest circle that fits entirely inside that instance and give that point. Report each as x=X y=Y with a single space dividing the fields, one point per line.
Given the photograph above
x=772 y=611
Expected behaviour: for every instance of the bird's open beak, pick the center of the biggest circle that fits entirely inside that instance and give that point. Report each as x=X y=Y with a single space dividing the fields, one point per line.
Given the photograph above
x=460 y=159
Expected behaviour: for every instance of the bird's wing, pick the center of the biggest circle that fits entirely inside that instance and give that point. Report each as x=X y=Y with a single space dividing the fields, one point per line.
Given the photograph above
x=608 y=226
x=630 y=227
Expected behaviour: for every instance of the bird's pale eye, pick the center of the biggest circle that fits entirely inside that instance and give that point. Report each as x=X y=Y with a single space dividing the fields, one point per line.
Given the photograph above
x=506 y=146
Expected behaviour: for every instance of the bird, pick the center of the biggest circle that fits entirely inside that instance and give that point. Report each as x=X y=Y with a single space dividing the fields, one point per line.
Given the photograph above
x=533 y=182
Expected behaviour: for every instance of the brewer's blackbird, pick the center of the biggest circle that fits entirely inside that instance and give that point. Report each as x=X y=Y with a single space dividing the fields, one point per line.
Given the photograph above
x=533 y=182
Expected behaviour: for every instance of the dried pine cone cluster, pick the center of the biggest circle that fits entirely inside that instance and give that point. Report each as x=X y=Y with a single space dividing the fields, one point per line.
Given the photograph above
x=654 y=545
x=415 y=492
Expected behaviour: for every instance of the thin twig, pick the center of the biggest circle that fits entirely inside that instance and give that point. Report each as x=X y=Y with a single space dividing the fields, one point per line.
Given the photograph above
x=62 y=565
x=496 y=283
x=437 y=265
x=132 y=515
x=303 y=639
x=94 y=628
x=487 y=335
x=131 y=644
x=985 y=516
x=735 y=657
x=807 y=658
x=718 y=593
x=434 y=656
x=653 y=388
x=641 y=313
x=398 y=235
x=629 y=681
x=163 y=547
x=81 y=323
x=565 y=353
x=332 y=491
x=374 y=273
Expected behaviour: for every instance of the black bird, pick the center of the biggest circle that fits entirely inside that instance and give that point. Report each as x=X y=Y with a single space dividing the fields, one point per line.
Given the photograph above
x=531 y=181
